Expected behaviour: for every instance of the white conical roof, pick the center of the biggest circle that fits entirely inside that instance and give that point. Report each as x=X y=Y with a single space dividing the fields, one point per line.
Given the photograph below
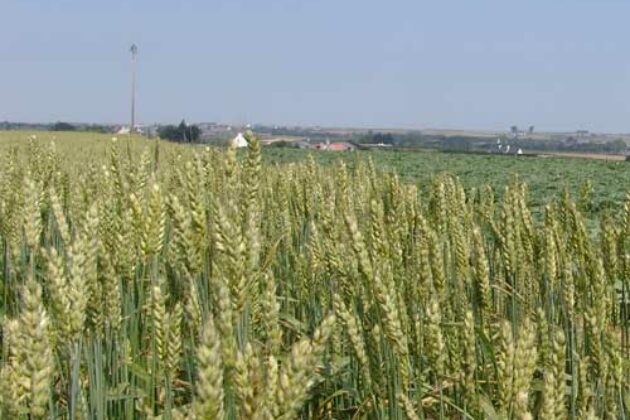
x=239 y=141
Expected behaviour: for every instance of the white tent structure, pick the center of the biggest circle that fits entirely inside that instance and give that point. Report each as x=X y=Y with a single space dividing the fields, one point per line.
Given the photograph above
x=239 y=141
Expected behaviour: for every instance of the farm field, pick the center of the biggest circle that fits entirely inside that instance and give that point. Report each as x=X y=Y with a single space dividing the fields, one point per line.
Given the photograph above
x=596 y=156
x=546 y=177
x=145 y=279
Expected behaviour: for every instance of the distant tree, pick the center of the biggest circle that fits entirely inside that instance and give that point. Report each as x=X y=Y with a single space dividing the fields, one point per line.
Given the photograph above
x=377 y=138
x=168 y=132
x=282 y=143
x=617 y=146
x=189 y=133
x=181 y=133
x=531 y=129
x=96 y=128
x=514 y=129
x=62 y=126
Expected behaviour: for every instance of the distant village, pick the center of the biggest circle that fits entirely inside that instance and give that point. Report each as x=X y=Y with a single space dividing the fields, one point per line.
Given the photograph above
x=514 y=141
x=342 y=146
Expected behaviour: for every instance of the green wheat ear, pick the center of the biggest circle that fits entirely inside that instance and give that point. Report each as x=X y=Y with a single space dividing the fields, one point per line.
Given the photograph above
x=209 y=390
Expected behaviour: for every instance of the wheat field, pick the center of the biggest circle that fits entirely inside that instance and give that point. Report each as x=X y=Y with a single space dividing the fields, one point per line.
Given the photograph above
x=150 y=280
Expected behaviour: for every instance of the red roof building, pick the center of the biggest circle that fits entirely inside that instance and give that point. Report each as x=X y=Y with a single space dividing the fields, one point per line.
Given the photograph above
x=335 y=147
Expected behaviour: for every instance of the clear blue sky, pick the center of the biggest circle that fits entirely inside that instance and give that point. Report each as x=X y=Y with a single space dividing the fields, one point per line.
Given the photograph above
x=481 y=64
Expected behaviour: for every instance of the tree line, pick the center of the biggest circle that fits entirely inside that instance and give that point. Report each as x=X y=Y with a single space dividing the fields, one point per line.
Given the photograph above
x=182 y=133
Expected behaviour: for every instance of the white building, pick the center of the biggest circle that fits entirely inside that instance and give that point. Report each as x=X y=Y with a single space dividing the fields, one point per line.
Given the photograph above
x=239 y=141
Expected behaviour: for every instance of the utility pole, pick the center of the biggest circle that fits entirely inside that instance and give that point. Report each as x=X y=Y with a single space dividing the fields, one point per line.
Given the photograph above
x=134 y=51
